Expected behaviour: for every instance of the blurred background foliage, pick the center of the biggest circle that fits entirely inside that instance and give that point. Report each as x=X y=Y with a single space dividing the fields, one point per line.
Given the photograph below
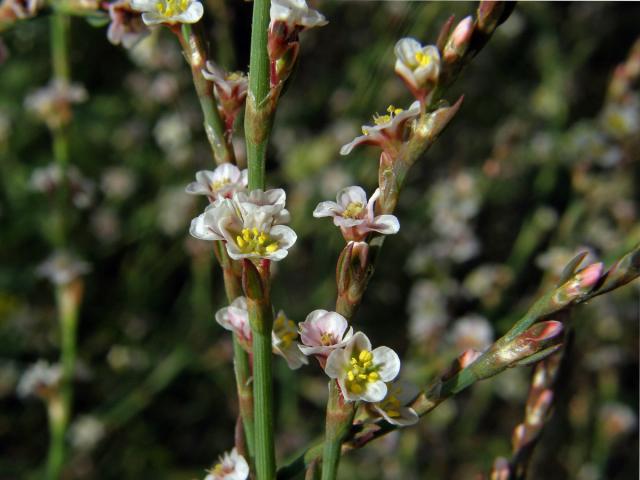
x=537 y=166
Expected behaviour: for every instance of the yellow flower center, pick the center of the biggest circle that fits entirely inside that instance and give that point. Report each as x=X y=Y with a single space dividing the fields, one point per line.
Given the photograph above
x=285 y=330
x=392 y=112
x=353 y=210
x=422 y=59
x=256 y=241
x=391 y=406
x=326 y=339
x=361 y=371
x=218 y=184
x=170 y=8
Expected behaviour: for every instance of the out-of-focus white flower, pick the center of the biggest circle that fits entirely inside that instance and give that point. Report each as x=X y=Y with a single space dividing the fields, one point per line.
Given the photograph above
x=118 y=183
x=62 y=268
x=39 y=379
x=222 y=182
x=427 y=307
x=231 y=466
x=355 y=216
x=388 y=130
x=361 y=372
x=169 y=12
x=172 y=132
x=295 y=14
x=617 y=419
x=52 y=103
x=11 y=10
x=393 y=408
x=249 y=230
x=418 y=66
x=174 y=210
x=86 y=432
x=284 y=342
x=126 y=27
x=48 y=179
x=622 y=120
x=472 y=332
x=106 y=225
x=323 y=332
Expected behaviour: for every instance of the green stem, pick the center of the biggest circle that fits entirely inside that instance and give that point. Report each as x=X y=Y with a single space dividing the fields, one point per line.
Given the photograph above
x=261 y=318
x=241 y=366
x=196 y=56
x=259 y=114
x=57 y=429
x=338 y=422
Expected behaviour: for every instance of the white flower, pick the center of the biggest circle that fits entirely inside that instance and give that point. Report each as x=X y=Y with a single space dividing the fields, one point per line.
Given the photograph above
x=249 y=230
x=231 y=466
x=126 y=26
x=62 y=268
x=393 y=408
x=52 y=103
x=169 y=11
x=323 y=332
x=295 y=13
x=235 y=318
x=284 y=342
x=39 y=379
x=224 y=181
x=418 y=66
x=86 y=432
x=355 y=216
x=228 y=85
x=472 y=332
x=271 y=201
x=362 y=373
x=387 y=131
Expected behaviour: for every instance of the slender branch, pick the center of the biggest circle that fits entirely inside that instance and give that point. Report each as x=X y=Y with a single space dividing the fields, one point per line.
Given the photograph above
x=338 y=422
x=196 y=55
x=259 y=111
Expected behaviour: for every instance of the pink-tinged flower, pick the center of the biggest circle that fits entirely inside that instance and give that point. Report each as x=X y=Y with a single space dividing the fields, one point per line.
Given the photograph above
x=271 y=201
x=62 y=268
x=418 y=66
x=393 y=408
x=169 y=12
x=388 y=131
x=284 y=340
x=12 y=10
x=295 y=14
x=231 y=466
x=355 y=216
x=249 y=231
x=52 y=103
x=235 y=318
x=222 y=182
x=322 y=332
x=362 y=373
x=231 y=89
x=126 y=27
x=472 y=332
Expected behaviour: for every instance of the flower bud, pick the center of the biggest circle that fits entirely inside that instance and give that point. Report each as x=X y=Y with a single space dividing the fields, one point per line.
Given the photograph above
x=489 y=13
x=351 y=276
x=459 y=40
x=251 y=281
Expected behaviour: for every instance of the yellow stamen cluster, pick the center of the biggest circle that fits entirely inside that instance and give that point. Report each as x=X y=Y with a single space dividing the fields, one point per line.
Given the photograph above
x=170 y=8
x=361 y=371
x=218 y=184
x=391 y=406
x=422 y=59
x=327 y=339
x=256 y=241
x=285 y=330
x=353 y=210
x=392 y=112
